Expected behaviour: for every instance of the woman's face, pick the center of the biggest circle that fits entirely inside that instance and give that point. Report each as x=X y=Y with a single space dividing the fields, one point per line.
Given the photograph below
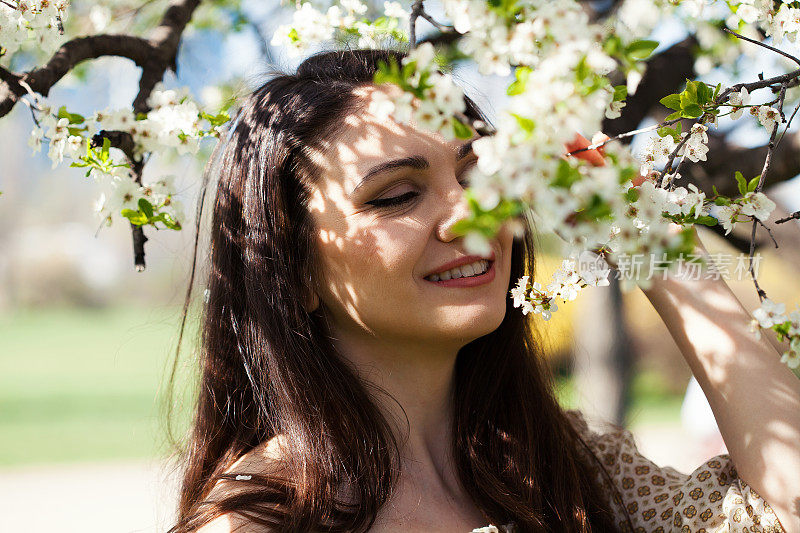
x=375 y=258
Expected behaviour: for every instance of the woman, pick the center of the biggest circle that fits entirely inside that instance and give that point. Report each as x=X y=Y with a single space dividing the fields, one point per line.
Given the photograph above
x=343 y=388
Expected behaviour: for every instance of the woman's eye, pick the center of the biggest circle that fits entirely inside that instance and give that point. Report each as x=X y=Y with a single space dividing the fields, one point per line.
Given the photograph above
x=396 y=200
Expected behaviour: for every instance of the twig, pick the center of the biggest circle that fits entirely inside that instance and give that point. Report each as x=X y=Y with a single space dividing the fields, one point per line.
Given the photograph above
x=123 y=141
x=444 y=28
x=767 y=162
x=769 y=232
x=671 y=159
x=624 y=135
x=416 y=10
x=781 y=52
x=723 y=97
x=793 y=216
x=33 y=115
x=788 y=124
x=677 y=168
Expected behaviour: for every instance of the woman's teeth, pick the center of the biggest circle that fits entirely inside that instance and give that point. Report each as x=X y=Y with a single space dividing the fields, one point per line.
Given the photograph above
x=464 y=271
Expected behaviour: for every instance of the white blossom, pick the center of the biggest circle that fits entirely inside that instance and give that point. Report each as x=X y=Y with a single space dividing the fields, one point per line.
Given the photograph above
x=770 y=313
x=727 y=215
x=791 y=357
x=519 y=292
x=740 y=98
x=613 y=110
x=767 y=116
x=757 y=204
x=395 y=9
x=592 y=269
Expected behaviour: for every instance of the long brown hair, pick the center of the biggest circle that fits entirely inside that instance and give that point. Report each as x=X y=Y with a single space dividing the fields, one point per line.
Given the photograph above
x=268 y=366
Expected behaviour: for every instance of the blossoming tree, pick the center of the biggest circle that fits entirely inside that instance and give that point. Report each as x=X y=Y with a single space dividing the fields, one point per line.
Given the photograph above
x=572 y=67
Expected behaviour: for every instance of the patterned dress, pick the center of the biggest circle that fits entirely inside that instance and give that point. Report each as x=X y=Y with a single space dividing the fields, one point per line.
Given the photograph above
x=658 y=499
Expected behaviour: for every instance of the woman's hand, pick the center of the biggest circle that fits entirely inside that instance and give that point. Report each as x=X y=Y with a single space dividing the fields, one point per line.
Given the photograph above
x=755 y=398
x=595 y=156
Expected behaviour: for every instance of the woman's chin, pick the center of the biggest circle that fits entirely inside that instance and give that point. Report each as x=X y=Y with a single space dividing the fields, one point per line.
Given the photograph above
x=471 y=326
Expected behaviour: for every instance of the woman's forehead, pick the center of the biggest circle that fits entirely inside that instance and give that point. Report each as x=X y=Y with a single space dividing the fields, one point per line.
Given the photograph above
x=365 y=139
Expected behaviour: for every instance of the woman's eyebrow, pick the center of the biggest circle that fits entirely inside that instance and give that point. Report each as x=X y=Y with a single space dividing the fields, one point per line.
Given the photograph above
x=415 y=161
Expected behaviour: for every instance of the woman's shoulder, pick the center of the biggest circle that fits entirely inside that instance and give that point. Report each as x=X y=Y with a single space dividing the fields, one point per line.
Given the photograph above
x=266 y=458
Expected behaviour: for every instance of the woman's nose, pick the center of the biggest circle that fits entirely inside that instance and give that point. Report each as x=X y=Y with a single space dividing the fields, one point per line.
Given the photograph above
x=455 y=208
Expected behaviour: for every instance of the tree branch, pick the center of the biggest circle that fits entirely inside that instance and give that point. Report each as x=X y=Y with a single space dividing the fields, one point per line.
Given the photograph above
x=42 y=79
x=165 y=39
x=123 y=141
x=154 y=55
x=665 y=73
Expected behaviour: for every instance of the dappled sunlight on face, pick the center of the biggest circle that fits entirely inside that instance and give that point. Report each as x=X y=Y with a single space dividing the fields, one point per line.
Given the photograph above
x=373 y=258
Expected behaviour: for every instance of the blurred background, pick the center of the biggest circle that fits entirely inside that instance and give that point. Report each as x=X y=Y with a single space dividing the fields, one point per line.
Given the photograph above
x=87 y=344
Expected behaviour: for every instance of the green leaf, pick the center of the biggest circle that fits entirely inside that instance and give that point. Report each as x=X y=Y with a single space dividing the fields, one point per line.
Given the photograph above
x=692 y=111
x=146 y=207
x=518 y=86
x=753 y=184
x=716 y=91
x=135 y=217
x=620 y=92
x=673 y=116
x=613 y=45
x=672 y=101
x=626 y=173
x=170 y=222
x=706 y=220
x=675 y=133
x=73 y=118
x=741 y=182
x=566 y=175
x=525 y=123
x=691 y=91
x=639 y=50
x=461 y=130
x=722 y=200
x=703 y=93
x=597 y=209
x=632 y=194
x=215 y=120
x=104 y=150
x=387 y=73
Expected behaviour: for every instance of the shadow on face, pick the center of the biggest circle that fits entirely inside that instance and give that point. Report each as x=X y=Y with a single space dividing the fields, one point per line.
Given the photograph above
x=383 y=205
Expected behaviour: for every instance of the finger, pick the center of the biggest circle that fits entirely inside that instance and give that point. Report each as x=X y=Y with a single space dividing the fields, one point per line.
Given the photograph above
x=599 y=137
x=592 y=156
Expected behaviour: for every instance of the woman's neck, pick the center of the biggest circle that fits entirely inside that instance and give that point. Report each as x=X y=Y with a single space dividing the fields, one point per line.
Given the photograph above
x=418 y=378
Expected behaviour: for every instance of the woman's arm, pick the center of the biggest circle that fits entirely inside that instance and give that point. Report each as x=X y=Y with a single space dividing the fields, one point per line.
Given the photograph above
x=755 y=397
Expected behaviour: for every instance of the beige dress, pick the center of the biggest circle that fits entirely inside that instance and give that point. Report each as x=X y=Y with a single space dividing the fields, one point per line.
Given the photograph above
x=656 y=499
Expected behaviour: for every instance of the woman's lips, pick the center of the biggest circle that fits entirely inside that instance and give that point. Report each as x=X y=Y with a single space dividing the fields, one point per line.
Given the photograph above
x=471 y=281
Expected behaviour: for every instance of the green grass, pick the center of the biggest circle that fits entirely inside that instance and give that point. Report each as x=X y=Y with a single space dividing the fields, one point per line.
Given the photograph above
x=78 y=384
x=652 y=402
